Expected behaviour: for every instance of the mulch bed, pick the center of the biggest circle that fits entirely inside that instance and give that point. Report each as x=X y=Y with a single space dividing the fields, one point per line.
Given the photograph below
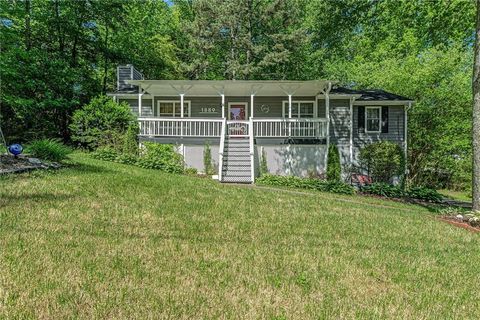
x=10 y=164
x=454 y=222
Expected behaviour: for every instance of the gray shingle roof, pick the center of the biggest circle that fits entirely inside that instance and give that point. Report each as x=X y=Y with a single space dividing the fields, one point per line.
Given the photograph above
x=371 y=94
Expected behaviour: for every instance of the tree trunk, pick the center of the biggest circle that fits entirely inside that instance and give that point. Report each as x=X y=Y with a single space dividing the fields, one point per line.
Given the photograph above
x=106 y=53
x=28 y=30
x=476 y=117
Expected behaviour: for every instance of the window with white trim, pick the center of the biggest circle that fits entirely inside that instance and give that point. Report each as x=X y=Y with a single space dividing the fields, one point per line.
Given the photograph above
x=300 y=109
x=373 y=119
x=173 y=109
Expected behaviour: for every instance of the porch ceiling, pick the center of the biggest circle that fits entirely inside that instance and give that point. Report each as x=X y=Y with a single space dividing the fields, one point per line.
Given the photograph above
x=231 y=87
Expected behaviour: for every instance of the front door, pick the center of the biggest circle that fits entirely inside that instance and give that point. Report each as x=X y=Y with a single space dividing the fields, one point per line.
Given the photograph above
x=238 y=112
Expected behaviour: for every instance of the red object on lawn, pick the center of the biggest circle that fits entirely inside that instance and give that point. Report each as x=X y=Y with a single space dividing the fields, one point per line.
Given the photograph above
x=361 y=179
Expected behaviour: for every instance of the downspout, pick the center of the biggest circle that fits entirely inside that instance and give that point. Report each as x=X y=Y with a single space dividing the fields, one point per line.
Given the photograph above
x=327 y=111
x=405 y=137
x=140 y=94
x=352 y=99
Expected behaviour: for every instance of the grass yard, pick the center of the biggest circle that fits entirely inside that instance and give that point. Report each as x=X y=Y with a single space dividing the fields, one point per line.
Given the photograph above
x=457 y=195
x=104 y=240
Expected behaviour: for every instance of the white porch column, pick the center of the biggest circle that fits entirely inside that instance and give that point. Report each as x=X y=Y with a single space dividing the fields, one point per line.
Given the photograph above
x=251 y=105
x=181 y=104
x=289 y=105
x=223 y=105
x=140 y=104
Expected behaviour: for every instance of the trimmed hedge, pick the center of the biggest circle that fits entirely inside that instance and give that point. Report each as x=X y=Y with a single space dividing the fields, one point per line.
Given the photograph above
x=154 y=156
x=306 y=183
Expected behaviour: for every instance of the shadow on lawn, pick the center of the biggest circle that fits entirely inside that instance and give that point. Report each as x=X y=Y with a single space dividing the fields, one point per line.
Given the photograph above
x=88 y=168
x=18 y=200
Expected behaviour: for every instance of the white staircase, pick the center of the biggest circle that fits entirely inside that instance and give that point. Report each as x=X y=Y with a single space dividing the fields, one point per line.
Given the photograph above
x=236 y=153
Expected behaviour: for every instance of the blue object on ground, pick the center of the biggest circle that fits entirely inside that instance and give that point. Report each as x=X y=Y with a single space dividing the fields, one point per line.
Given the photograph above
x=15 y=149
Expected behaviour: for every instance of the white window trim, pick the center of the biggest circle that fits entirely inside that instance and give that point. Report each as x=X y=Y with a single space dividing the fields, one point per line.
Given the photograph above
x=379 y=108
x=186 y=103
x=238 y=103
x=285 y=106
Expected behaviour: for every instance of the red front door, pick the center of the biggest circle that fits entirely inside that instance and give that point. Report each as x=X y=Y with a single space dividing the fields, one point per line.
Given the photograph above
x=238 y=112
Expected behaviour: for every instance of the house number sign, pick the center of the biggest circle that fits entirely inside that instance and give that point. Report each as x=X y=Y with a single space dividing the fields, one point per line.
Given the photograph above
x=208 y=110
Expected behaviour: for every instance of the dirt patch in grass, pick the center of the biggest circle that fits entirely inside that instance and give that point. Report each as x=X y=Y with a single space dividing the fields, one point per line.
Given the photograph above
x=456 y=223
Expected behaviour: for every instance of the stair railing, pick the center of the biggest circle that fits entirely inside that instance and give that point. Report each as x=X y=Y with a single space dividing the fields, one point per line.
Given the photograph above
x=222 y=148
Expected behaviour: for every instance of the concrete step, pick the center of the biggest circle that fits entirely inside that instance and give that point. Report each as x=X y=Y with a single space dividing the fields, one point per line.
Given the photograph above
x=241 y=148
x=235 y=170
x=236 y=153
x=236 y=164
x=236 y=179
x=237 y=141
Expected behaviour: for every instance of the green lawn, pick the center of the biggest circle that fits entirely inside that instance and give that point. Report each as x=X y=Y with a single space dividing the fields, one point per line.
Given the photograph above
x=457 y=195
x=104 y=240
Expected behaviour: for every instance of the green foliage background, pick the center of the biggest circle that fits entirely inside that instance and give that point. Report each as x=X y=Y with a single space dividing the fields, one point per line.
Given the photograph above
x=57 y=55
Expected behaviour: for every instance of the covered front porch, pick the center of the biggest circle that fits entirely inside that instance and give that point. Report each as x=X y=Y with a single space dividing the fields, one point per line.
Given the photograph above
x=208 y=109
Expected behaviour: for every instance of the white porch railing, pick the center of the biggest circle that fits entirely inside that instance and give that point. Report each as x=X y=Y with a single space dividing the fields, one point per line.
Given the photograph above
x=180 y=127
x=295 y=128
x=212 y=127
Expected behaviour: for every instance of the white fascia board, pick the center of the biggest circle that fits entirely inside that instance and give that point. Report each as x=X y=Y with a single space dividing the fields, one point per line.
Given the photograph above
x=339 y=96
x=383 y=103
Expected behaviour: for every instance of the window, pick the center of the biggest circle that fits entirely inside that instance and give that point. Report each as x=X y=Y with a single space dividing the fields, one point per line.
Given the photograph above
x=300 y=109
x=173 y=109
x=372 y=119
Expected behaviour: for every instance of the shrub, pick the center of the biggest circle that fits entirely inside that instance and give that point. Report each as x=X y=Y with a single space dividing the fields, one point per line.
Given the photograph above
x=424 y=193
x=207 y=160
x=306 y=183
x=48 y=149
x=382 y=160
x=100 y=122
x=334 y=170
x=161 y=157
x=126 y=159
x=384 y=190
x=105 y=153
x=191 y=171
x=263 y=163
x=130 y=140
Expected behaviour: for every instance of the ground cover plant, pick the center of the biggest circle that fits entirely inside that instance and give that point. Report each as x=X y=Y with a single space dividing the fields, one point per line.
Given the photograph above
x=392 y=191
x=105 y=240
x=48 y=149
x=306 y=183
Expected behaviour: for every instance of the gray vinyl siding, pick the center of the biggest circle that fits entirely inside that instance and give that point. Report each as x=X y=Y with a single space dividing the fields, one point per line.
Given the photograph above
x=322 y=109
x=340 y=129
x=124 y=73
x=396 y=124
x=127 y=72
x=395 y=133
x=146 y=106
x=272 y=106
x=340 y=121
